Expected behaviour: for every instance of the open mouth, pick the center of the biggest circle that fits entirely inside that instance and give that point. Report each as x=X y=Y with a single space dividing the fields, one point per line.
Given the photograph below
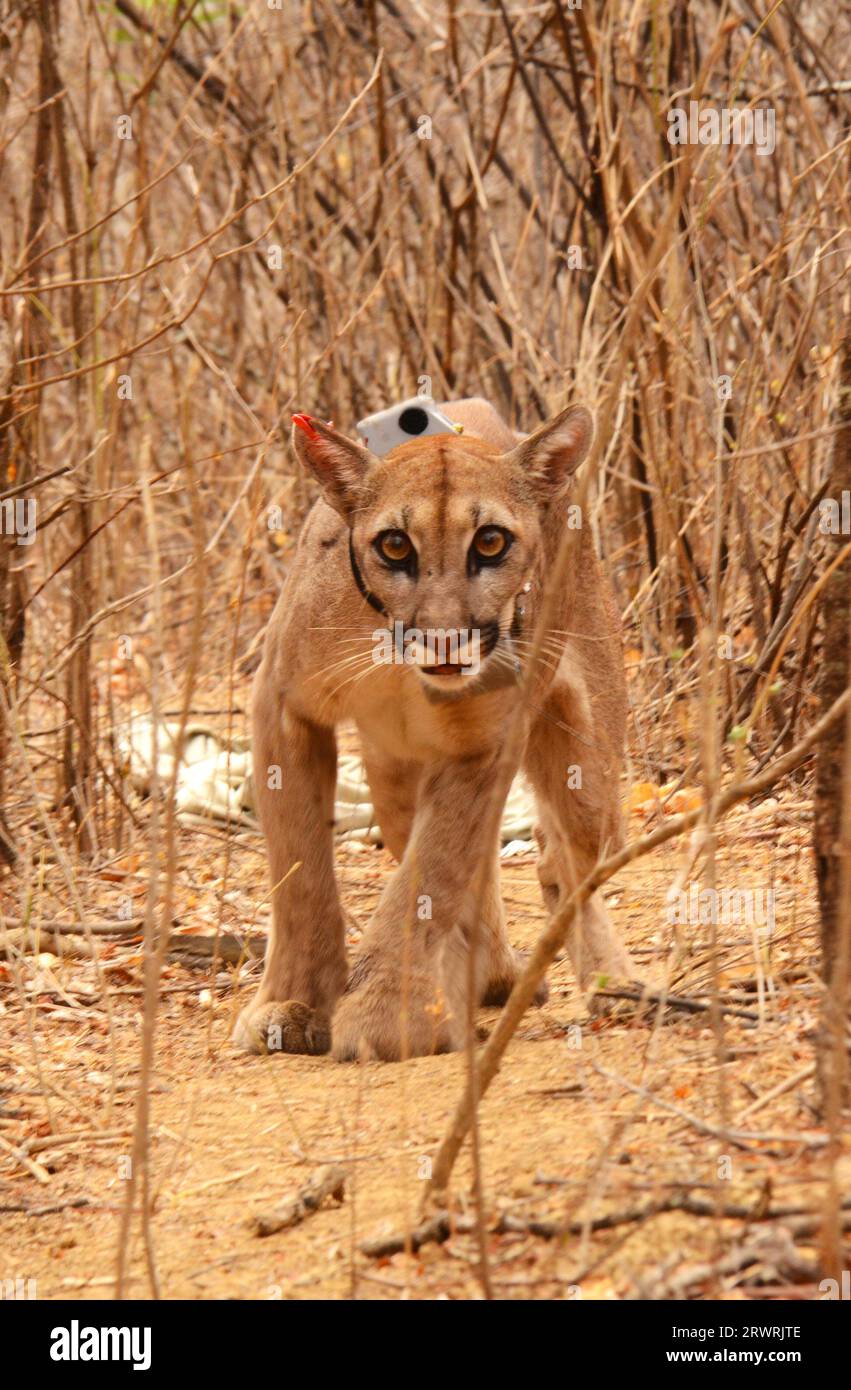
x=449 y=668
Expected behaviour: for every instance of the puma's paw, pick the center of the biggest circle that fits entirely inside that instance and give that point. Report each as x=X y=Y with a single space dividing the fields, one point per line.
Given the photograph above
x=371 y=1023
x=502 y=982
x=282 y=1027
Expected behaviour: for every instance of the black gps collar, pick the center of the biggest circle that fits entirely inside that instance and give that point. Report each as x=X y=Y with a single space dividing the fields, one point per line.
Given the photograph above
x=359 y=580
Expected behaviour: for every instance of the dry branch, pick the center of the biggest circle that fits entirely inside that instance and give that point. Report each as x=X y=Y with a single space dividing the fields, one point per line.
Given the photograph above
x=330 y=1181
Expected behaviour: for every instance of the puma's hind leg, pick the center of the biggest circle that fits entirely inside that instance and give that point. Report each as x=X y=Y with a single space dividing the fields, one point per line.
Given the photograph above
x=504 y=963
x=393 y=786
x=575 y=776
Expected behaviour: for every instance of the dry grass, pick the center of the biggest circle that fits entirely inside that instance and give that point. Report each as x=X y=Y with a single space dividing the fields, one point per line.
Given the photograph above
x=277 y=235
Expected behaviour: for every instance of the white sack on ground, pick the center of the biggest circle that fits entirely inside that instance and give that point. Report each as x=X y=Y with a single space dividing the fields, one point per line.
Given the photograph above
x=215 y=783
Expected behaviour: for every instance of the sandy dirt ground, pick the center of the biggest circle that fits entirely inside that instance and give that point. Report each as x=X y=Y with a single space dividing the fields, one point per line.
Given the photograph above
x=565 y=1139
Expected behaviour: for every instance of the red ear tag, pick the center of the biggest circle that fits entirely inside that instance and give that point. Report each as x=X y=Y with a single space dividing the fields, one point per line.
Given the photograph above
x=304 y=423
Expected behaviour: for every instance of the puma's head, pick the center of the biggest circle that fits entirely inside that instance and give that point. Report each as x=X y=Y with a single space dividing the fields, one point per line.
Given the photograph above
x=446 y=532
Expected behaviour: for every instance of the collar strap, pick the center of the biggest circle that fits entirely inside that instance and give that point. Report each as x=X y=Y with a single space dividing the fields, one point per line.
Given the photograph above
x=359 y=580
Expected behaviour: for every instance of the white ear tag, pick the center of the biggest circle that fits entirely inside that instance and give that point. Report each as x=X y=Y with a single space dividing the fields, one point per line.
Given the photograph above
x=412 y=419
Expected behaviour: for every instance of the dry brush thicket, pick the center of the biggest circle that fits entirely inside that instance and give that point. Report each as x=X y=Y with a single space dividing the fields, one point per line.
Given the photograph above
x=216 y=213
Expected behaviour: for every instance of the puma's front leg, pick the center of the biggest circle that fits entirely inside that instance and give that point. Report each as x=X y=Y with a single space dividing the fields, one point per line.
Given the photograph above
x=295 y=766
x=407 y=994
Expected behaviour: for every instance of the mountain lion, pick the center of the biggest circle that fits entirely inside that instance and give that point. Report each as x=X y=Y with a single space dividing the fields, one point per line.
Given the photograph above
x=409 y=610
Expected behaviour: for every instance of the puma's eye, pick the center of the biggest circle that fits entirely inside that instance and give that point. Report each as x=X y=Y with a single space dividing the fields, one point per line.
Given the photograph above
x=490 y=543
x=394 y=547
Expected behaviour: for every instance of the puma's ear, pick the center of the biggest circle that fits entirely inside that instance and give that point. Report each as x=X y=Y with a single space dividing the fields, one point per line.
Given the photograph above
x=338 y=464
x=553 y=453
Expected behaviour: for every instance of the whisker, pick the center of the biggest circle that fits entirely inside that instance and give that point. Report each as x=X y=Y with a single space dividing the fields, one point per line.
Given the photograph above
x=356 y=629
x=546 y=645
x=371 y=666
x=547 y=658
x=581 y=636
x=335 y=666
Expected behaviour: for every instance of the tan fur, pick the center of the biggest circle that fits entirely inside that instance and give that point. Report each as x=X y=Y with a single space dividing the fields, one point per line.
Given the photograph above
x=431 y=743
